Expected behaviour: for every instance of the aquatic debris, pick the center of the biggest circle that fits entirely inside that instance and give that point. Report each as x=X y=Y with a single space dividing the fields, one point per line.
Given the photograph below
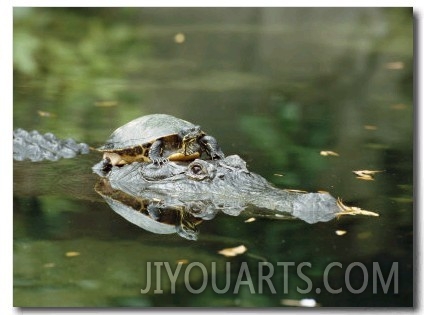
x=323 y=192
x=365 y=174
x=280 y=175
x=340 y=232
x=179 y=38
x=105 y=103
x=72 y=254
x=45 y=114
x=346 y=210
x=234 y=251
x=182 y=261
x=370 y=127
x=395 y=65
x=329 y=153
x=301 y=303
x=399 y=106
x=250 y=220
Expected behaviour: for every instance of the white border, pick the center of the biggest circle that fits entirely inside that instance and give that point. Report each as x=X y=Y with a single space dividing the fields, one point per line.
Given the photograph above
x=211 y=3
x=6 y=110
x=6 y=158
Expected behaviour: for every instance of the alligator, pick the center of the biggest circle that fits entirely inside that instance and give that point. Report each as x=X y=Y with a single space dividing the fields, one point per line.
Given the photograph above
x=145 y=194
x=177 y=196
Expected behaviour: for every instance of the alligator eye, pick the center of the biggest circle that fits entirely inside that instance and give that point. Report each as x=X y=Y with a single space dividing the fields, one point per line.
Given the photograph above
x=196 y=169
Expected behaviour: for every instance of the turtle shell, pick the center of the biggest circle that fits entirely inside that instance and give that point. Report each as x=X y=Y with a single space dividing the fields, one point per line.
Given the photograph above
x=132 y=141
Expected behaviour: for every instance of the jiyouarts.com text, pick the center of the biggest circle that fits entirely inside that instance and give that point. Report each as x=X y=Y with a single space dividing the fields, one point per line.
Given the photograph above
x=264 y=276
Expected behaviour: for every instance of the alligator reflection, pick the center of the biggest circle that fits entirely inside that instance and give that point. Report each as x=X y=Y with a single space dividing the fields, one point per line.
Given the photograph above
x=176 y=197
x=149 y=214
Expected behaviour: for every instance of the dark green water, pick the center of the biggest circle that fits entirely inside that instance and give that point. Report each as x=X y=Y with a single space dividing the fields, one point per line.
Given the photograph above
x=276 y=86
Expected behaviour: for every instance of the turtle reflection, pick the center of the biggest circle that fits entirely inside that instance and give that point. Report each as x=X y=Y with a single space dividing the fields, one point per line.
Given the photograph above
x=149 y=214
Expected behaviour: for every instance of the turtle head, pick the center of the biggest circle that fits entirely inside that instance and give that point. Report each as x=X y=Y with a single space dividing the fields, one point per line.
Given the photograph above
x=190 y=134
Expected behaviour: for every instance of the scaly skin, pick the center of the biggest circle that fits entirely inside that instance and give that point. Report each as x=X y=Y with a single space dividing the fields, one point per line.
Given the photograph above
x=224 y=185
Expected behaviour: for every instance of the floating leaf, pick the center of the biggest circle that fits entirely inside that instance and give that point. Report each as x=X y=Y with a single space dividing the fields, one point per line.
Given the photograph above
x=45 y=114
x=182 y=261
x=329 y=153
x=234 y=251
x=105 y=103
x=72 y=254
x=396 y=65
x=366 y=174
x=346 y=210
x=370 y=127
x=301 y=303
x=398 y=106
x=179 y=38
x=323 y=192
x=365 y=177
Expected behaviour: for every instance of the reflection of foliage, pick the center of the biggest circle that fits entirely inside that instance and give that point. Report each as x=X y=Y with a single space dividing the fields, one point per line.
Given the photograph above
x=96 y=51
x=281 y=141
x=89 y=47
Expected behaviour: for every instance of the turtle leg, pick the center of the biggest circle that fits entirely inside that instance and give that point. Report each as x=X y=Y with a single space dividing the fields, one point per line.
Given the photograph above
x=155 y=153
x=211 y=147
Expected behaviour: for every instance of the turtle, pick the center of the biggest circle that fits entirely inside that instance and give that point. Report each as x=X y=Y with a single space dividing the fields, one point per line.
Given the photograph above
x=158 y=138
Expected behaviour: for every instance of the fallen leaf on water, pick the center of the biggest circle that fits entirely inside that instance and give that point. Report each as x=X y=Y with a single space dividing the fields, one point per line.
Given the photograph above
x=395 y=65
x=365 y=177
x=182 y=261
x=346 y=210
x=341 y=232
x=329 y=153
x=45 y=114
x=109 y=103
x=234 y=251
x=398 y=106
x=72 y=254
x=365 y=174
x=302 y=302
x=106 y=103
x=370 y=127
x=179 y=38
x=323 y=192
x=250 y=220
